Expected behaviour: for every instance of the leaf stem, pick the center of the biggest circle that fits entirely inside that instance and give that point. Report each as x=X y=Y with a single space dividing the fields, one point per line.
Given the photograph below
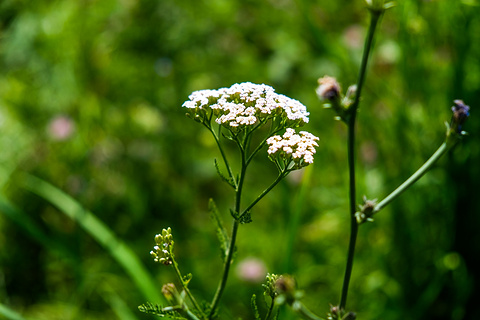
x=264 y=193
x=413 y=178
x=224 y=156
x=305 y=312
x=185 y=288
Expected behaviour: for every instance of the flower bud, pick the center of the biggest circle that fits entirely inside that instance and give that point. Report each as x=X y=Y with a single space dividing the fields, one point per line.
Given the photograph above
x=460 y=114
x=328 y=89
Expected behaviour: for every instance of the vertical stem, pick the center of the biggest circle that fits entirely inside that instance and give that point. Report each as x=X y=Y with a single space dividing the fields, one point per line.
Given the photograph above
x=231 y=248
x=226 y=268
x=353 y=221
x=374 y=17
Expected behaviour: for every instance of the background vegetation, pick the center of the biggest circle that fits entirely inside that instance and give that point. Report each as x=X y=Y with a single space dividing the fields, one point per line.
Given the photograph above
x=90 y=101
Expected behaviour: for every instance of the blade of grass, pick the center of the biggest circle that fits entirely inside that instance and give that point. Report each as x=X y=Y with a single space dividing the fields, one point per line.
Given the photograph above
x=9 y=314
x=99 y=231
x=31 y=229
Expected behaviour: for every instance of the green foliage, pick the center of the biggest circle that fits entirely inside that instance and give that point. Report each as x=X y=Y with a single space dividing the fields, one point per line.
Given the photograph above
x=222 y=234
x=112 y=75
x=157 y=310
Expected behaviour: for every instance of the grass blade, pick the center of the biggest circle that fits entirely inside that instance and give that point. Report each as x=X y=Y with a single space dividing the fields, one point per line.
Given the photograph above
x=99 y=231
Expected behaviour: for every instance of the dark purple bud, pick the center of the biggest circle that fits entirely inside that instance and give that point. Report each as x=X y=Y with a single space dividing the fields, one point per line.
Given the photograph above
x=328 y=89
x=460 y=114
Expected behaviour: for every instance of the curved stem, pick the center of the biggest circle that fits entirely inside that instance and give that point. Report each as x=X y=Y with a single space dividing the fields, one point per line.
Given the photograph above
x=185 y=288
x=300 y=308
x=224 y=156
x=413 y=178
x=374 y=17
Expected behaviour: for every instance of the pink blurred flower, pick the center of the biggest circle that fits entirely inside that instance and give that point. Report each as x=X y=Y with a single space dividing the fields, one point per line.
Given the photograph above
x=252 y=270
x=61 y=127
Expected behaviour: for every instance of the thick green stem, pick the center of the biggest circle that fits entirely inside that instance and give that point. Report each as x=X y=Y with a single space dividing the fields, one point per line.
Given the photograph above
x=374 y=18
x=353 y=220
x=417 y=175
x=226 y=269
x=231 y=248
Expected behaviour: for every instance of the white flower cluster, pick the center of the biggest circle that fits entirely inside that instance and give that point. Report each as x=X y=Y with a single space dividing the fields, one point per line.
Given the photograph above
x=291 y=146
x=245 y=104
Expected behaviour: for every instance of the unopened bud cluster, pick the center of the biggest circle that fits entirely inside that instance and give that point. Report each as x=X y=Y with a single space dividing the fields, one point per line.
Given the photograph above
x=245 y=105
x=366 y=210
x=329 y=93
x=298 y=148
x=270 y=286
x=163 y=251
x=460 y=114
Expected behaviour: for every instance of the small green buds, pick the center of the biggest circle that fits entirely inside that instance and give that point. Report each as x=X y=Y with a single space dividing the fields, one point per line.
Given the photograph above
x=379 y=5
x=269 y=288
x=366 y=211
x=339 y=314
x=163 y=251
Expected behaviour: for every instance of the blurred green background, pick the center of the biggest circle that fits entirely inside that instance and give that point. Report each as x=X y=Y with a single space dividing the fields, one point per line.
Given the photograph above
x=90 y=102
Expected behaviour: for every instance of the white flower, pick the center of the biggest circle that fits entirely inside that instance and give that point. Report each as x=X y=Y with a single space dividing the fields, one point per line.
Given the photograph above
x=299 y=148
x=245 y=104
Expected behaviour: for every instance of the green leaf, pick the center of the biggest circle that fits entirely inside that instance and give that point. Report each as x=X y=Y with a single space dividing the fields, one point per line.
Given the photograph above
x=222 y=176
x=253 y=302
x=124 y=256
x=245 y=218
x=186 y=278
x=221 y=231
x=9 y=313
x=155 y=309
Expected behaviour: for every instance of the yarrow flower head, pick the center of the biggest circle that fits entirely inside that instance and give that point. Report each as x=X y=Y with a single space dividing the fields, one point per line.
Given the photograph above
x=244 y=105
x=298 y=148
x=163 y=251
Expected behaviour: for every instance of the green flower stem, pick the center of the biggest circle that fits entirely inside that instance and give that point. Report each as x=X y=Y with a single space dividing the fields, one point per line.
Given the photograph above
x=374 y=18
x=301 y=309
x=231 y=248
x=226 y=268
x=224 y=156
x=270 y=310
x=185 y=288
x=417 y=175
x=264 y=193
x=353 y=220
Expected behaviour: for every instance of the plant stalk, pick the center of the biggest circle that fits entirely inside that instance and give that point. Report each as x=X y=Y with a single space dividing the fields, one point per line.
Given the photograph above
x=351 y=120
x=184 y=286
x=413 y=178
x=226 y=269
x=231 y=248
